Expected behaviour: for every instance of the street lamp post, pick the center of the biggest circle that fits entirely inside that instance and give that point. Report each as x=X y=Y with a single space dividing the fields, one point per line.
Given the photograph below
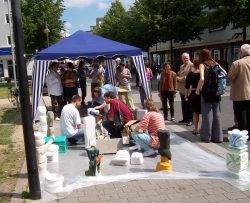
x=27 y=120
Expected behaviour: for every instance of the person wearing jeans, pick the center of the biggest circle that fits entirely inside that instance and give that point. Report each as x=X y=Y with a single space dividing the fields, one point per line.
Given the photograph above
x=145 y=134
x=167 y=90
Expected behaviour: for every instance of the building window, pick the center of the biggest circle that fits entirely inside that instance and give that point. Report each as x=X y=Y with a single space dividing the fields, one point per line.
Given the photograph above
x=7 y=19
x=236 y=54
x=1 y=69
x=9 y=40
x=216 y=54
x=10 y=69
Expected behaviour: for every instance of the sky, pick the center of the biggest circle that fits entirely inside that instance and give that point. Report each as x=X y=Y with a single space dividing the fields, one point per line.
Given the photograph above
x=81 y=14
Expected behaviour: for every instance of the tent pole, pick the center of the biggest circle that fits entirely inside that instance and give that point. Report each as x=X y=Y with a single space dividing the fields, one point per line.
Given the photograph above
x=29 y=139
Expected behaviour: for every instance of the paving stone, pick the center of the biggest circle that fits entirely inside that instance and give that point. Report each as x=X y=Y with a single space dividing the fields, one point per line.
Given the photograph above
x=214 y=191
x=149 y=187
x=203 y=186
x=186 y=182
x=195 y=193
x=94 y=198
x=247 y=193
x=139 y=200
x=118 y=201
x=229 y=201
x=128 y=189
x=104 y=186
x=108 y=197
x=218 y=197
x=128 y=195
x=116 y=190
x=230 y=189
x=77 y=194
x=168 y=185
x=147 y=193
x=235 y=195
x=177 y=196
x=71 y=200
x=203 y=181
x=246 y=200
x=184 y=188
x=196 y=200
x=157 y=198
x=166 y=191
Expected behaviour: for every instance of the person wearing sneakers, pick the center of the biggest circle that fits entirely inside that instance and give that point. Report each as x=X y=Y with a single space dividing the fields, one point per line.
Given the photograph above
x=55 y=90
x=167 y=90
x=145 y=134
x=70 y=122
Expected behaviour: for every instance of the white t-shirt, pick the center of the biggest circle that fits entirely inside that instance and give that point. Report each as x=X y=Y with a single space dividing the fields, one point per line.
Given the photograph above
x=54 y=84
x=69 y=120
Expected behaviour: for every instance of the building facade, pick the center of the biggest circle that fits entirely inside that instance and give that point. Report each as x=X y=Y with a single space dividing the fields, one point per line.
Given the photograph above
x=6 y=67
x=223 y=42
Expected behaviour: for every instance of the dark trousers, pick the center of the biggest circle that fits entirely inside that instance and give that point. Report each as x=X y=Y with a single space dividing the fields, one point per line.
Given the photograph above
x=57 y=105
x=167 y=96
x=242 y=113
x=112 y=130
x=186 y=110
x=83 y=87
x=70 y=92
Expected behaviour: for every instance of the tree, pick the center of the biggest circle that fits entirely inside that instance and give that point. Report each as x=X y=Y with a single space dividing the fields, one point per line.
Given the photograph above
x=143 y=28
x=113 y=24
x=35 y=16
x=225 y=12
x=183 y=20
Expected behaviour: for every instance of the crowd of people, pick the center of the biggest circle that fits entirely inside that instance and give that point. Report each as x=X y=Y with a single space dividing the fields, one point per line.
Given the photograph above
x=191 y=81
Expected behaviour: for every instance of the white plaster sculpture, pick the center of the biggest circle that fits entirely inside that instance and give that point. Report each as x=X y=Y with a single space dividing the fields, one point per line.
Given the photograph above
x=41 y=150
x=122 y=158
x=237 y=155
x=43 y=120
x=54 y=182
x=136 y=158
x=50 y=122
x=89 y=131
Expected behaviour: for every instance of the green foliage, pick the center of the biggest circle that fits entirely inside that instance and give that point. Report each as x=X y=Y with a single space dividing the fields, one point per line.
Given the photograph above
x=113 y=25
x=148 y=22
x=35 y=15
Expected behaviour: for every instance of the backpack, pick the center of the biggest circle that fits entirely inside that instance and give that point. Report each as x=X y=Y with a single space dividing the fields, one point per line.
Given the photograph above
x=215 y=81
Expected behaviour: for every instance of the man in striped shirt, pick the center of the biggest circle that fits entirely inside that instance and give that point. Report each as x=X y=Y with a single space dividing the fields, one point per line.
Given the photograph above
x=146 y=131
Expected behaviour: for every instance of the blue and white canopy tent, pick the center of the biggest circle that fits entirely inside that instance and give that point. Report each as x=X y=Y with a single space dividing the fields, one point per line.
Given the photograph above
x=84 y=45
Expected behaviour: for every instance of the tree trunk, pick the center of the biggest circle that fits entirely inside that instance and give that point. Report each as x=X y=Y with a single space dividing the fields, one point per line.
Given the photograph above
x=244 y=34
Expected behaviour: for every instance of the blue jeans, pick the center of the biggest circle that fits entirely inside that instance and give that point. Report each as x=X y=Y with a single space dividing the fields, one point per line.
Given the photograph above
x=78 y=135
x=143 y=140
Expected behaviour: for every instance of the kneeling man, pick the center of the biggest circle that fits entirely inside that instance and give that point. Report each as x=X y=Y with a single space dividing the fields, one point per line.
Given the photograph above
x=70 y=122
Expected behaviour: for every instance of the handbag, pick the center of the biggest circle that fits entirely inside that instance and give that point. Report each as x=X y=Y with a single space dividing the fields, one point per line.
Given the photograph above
x=118 y=120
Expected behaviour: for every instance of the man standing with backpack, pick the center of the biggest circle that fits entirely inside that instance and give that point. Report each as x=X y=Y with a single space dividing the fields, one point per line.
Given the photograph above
x=239 y=76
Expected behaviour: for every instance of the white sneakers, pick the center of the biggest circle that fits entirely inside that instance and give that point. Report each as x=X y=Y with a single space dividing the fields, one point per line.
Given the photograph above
x=57 y=119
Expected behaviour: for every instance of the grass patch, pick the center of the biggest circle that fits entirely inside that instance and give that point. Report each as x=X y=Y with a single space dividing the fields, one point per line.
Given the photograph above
x=10 y=115
x=6 y=132
x=4 y=90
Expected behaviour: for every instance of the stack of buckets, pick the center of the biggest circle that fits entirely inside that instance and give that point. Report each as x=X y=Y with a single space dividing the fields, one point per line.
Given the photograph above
x=237 y=152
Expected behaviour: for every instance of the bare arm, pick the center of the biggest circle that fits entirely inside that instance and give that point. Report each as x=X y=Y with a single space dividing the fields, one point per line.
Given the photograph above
x=103 y=105
x=79 y=126
x=202 y=78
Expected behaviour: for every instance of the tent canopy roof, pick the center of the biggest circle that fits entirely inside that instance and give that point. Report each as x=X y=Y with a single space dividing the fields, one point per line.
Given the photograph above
x=85 y=44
